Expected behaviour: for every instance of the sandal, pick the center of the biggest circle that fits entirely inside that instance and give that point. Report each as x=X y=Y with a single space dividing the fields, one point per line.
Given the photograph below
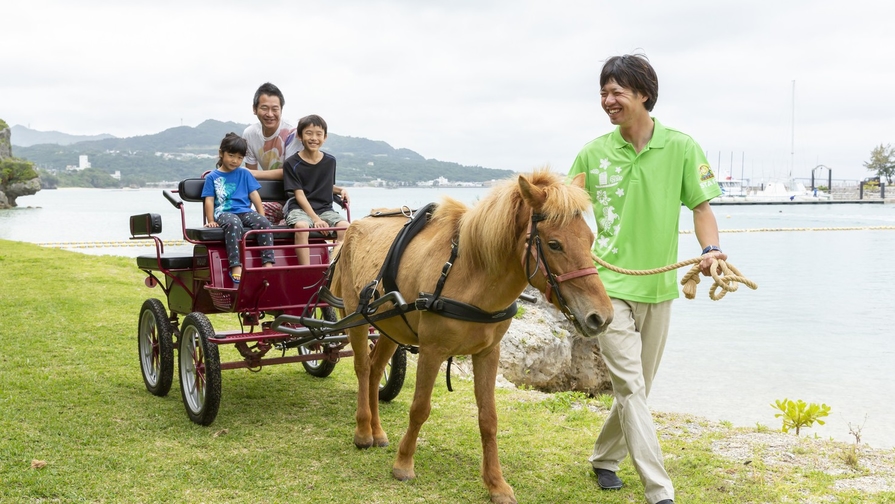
x=235 y=277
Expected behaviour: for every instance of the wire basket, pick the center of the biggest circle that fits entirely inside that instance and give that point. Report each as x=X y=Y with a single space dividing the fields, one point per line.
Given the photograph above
x=222 y=299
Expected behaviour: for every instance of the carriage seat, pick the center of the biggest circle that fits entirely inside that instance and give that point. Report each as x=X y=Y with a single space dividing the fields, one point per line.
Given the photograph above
x=165 y=262
x=147 y=225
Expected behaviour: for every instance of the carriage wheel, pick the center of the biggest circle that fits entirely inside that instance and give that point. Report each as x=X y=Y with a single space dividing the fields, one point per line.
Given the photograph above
x=200 y=369
x=393 y=375
x=319 y=368
x=155 y=346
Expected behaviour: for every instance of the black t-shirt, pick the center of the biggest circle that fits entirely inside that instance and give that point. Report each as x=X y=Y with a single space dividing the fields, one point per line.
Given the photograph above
x=316 y=180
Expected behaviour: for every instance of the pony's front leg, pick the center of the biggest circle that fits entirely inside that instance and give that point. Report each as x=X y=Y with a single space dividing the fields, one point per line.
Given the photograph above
x=363 y=432
x=484 y=368
x=427 y=369
x=379 y=358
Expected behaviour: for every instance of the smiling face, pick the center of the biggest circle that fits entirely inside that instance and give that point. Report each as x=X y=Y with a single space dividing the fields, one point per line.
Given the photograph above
x=623 y=105
x=268 y=112
x=312 y=138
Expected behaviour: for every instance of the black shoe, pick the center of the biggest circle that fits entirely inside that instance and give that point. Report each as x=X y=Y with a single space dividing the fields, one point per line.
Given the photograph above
x=608 y=480
x=665 y=501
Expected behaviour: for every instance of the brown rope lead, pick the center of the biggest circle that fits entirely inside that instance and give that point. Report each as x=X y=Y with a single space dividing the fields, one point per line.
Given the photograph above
x=726 y=277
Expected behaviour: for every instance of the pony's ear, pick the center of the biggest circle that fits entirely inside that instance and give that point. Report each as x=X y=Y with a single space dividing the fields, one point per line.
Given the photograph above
x=532 y=194
x=578 y=181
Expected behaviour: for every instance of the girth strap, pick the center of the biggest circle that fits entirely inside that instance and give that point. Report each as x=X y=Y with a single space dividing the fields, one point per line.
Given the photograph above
x=450 y=308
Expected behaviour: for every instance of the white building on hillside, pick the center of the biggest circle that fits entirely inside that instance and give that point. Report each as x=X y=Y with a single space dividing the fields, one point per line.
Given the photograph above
x=83 y=164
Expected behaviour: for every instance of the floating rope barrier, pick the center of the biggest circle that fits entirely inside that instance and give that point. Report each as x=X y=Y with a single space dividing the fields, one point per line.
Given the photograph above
x=780 y=230
x=111 y=244
x=175 y=243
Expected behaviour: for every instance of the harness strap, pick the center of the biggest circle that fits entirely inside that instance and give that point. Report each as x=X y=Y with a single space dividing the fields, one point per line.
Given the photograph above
x=389 y=271
x=451 y=308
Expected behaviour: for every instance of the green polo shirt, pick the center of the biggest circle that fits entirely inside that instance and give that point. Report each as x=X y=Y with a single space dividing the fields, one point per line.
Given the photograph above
x=637 y=202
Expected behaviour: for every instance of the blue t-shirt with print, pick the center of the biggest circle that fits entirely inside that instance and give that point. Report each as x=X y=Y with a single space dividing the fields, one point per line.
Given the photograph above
x=230 y=190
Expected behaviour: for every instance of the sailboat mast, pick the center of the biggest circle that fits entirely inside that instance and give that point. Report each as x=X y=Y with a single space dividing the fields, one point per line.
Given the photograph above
x=792 y=145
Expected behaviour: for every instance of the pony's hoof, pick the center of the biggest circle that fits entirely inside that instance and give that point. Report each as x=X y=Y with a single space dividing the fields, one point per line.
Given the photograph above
x=503 y=499
x=363 y=442
x=403 y=474
x=380 y=442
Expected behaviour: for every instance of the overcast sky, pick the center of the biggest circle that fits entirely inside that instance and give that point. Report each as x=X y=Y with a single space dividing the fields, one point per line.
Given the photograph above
x=503 y=84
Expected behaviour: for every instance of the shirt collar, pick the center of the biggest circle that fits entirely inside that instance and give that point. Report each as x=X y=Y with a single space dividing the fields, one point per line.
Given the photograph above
x=656 y=142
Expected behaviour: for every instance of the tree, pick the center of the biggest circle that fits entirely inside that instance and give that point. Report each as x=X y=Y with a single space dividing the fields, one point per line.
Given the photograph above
x=882 y=162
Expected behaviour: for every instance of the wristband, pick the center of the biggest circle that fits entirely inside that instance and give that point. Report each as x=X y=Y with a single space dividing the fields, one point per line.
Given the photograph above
x=711 y=248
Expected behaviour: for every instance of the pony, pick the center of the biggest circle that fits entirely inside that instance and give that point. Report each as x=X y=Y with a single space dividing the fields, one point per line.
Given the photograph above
x=497 y=251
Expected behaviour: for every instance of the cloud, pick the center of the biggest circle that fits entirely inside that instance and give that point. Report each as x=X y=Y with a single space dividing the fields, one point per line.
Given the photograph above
x=503 y=84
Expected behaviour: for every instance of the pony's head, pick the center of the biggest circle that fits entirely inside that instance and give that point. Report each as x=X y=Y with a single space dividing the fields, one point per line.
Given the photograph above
x=557 y=257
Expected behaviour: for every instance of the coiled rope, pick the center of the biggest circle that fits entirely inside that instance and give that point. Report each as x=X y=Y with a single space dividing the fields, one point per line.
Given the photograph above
x=726 y=277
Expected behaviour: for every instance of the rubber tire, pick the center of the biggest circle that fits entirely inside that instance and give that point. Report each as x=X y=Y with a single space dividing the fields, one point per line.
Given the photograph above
x=155 y=347
x=200 y=369
x=319 y=368
x=393 y=376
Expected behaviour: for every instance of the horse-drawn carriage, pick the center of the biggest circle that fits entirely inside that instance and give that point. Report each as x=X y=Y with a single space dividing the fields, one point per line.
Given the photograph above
x=197 y=284
x=448 y=278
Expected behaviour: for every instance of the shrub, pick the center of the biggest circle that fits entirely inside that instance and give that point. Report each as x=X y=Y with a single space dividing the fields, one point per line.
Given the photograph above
x=798 y=414
x=16 y=170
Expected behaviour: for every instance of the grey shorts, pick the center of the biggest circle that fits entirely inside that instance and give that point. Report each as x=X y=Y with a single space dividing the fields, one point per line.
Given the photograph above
x=330 y=217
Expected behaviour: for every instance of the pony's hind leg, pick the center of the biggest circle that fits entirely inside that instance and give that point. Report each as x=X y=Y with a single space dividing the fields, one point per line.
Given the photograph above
x=427 y=369
x=484 y=368
x=363 y=432
x=379 y=358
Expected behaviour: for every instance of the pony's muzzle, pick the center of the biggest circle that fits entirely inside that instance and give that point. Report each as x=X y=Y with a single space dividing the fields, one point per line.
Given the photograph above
x=594 y=323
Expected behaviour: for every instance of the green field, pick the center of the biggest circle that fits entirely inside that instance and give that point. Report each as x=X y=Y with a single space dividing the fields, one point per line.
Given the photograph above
x=77 y=425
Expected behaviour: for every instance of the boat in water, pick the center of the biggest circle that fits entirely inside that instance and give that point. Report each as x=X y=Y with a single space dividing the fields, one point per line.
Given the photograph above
x=787 y=191
x=732 y=188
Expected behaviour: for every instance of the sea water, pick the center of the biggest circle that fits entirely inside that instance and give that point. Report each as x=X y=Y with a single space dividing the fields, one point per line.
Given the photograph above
x=819 y=327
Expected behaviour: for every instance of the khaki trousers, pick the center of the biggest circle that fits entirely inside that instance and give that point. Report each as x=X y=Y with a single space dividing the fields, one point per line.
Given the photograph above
x=632 y=347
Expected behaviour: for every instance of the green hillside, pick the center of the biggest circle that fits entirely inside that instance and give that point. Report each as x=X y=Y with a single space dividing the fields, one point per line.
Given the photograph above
x=173 y=155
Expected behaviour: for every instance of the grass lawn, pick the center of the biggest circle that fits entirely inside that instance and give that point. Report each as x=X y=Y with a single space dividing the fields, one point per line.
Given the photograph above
x=77 y=424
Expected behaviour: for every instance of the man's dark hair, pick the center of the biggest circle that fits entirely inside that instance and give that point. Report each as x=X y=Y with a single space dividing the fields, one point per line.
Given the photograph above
x=633 y=71
x=270 y=90
x=311 y=120
x=232 y=144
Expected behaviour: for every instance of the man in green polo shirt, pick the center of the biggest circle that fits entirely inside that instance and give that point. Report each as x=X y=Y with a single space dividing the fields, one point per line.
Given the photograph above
x=638 y=176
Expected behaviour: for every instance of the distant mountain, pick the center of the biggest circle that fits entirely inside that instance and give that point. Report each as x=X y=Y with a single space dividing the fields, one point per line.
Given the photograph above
x=26 y=137
x=185 y=151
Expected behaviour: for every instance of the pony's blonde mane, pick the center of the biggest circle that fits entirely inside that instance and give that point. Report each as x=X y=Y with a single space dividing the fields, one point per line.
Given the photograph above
x=492 y=228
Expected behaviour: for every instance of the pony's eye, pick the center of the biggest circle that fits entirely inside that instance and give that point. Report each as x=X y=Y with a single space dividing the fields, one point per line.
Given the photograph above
x=554 y=245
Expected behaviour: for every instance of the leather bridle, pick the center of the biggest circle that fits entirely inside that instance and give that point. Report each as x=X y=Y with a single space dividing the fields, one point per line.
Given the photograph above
x=535 y=251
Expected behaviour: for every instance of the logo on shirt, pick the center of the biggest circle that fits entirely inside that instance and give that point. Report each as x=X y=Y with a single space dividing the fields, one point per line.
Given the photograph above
x=705 y=173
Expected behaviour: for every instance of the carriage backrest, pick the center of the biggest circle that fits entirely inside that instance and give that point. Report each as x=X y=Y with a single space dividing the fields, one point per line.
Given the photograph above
x=191 y=190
